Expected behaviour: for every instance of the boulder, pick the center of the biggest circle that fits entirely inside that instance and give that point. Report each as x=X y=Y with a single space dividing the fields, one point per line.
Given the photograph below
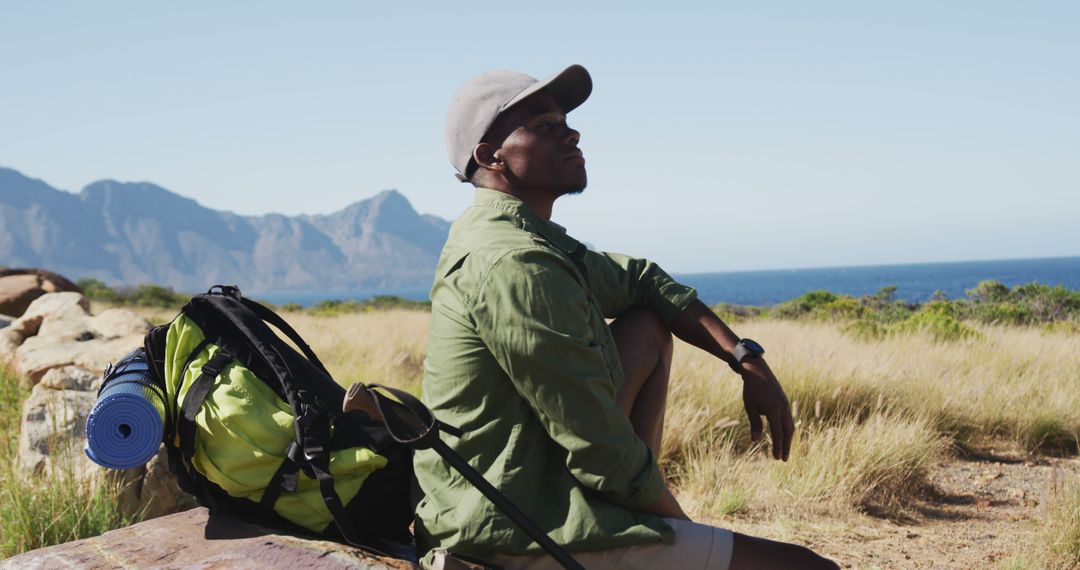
x=113 y=323
x=66 y=305
x=37 y=355
x=192 y=539
x=20 y=287
x=151 y=491
x=53 y=431
x=71 y=378
x=5 y=321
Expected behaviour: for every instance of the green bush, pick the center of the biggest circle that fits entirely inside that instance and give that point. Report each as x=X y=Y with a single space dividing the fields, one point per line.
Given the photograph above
x=737 y=313
x=377 y=303
x=843 y=308
x=139 y=295
x=938 y=325
x=865 y=330
x=804 y=305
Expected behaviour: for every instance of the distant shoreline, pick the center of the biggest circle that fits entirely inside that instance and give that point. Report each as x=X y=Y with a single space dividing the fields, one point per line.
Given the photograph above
x=915 y=282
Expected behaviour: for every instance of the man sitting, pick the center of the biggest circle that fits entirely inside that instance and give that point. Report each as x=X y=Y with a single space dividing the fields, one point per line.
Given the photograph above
x=562 y=412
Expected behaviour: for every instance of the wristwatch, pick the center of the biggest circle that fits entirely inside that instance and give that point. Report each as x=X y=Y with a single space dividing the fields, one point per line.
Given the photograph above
x=746 y=348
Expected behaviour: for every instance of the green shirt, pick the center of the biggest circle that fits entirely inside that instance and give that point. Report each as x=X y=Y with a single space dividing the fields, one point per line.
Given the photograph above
x=521 y=358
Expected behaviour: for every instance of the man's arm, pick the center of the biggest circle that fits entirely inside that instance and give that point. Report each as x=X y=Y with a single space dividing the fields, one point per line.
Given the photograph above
x=762 y=394
x=620 y=282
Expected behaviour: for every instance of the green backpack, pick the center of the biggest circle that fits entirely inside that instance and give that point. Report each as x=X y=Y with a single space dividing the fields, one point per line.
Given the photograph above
x=255 y=429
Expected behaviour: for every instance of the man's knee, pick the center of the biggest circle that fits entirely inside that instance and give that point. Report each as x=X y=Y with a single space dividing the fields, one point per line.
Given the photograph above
x=643 y=323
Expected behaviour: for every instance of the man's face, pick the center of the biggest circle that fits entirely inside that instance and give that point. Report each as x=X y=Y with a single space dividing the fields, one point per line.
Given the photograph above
x=540 y=150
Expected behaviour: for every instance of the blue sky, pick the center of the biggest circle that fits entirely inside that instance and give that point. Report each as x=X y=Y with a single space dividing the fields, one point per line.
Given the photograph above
x=720 y=136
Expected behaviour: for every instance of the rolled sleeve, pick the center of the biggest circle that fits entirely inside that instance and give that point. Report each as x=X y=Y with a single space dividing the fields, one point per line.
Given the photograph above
x=534 y=316
x=620 y=282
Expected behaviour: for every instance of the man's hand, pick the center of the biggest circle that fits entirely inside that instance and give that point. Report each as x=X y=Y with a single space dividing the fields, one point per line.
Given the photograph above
x=763 y=396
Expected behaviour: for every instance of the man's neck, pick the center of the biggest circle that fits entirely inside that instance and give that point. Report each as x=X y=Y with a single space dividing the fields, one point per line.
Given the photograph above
x=538 y=201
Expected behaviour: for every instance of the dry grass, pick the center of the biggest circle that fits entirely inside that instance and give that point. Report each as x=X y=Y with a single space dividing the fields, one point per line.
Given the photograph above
x=871 y=414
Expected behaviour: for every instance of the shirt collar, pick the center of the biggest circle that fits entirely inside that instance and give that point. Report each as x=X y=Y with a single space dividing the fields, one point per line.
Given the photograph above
x=547 y=229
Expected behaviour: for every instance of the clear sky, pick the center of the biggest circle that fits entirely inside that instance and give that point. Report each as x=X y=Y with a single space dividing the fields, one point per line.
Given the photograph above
x=719 y=136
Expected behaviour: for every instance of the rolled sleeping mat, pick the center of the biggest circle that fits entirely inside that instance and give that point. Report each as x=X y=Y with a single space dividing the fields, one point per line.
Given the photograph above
x=126 y=424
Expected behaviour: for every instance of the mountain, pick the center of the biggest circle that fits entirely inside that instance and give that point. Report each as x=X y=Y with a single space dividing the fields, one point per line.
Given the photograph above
x=129 y=233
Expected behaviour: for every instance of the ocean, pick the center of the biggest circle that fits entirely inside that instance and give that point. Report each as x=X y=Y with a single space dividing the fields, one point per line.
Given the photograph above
x=915 y=282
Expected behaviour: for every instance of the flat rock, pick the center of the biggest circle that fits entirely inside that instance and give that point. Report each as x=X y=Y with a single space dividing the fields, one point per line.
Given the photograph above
x=190 y=540
x=113 y=323
x=55 y=305
x=37 y=355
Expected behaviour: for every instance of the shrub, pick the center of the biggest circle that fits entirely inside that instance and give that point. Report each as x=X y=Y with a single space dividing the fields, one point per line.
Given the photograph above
x=804 y=305
x=843 y=308
x=96 y=290
x=377 y=303
x=865 y=330
x=736 y=313
x=989 y=292
x=937 y=325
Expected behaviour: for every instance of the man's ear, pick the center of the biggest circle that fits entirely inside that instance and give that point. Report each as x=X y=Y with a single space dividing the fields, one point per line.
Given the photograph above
x=486 y=157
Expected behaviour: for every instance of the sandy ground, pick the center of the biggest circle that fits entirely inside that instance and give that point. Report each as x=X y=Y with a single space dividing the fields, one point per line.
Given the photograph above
x=981 y=511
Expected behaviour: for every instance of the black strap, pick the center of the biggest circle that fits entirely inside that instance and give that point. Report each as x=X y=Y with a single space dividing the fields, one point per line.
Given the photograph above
x=412 y=424
x=407 y=419
x=321 y=468
x=284 y=479
x=174 y=411
x=193 y=401
x=275 y=319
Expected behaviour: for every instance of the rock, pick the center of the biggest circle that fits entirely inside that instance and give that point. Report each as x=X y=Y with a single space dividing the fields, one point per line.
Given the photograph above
x=192 y=539
x=52 y=434
x=17 y=292
x=9 y=341
x=53 y=305
x=37 y=355
x=5 y=321
x=114 y=323
x=151 y=491
x=20 y=287
x=71 y=378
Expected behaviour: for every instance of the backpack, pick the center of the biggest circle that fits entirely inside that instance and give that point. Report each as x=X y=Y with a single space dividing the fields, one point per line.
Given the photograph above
x=256 y=430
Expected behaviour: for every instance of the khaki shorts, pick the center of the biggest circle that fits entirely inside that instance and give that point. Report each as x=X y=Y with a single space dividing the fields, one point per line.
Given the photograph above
x=697 y=547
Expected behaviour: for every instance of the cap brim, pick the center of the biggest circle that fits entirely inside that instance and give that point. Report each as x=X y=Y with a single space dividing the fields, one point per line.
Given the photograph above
x=570 y=88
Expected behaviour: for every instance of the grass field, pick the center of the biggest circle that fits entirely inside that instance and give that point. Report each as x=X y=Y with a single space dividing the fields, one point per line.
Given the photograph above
x=874 y=416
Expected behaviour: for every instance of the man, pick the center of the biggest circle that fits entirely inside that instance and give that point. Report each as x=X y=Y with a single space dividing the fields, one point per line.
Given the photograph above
x=561 y=412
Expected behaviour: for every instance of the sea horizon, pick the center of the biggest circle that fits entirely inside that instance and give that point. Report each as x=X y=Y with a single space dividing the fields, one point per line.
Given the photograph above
x=915 y=282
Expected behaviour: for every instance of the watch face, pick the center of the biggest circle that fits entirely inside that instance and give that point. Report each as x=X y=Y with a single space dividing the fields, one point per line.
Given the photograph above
x=752 y=346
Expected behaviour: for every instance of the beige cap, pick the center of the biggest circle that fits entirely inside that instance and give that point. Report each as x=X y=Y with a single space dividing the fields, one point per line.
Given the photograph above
x=480 y=101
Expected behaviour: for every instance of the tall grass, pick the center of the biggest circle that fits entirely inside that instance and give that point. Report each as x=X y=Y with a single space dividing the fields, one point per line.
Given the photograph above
x=1062 y=531
x=51 y=508
x=871 y=412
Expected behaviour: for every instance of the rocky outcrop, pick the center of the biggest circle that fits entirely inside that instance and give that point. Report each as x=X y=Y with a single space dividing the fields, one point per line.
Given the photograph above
x=194 y=540
x=62 y=350
x=57 y=330
x=19 y=288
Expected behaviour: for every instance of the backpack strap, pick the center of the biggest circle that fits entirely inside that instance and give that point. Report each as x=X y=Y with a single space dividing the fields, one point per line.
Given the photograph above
x=193 y=401
x=275 y=319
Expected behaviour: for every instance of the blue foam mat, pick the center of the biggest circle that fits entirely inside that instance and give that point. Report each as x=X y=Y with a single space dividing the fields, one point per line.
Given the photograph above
x=125 y=427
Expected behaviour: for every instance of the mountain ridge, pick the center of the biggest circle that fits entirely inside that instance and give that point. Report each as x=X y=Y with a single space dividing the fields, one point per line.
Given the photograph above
x=127 y=233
